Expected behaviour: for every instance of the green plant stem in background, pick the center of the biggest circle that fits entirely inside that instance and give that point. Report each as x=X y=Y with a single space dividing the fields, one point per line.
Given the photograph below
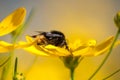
x=16 y=63
x=111 y=74
x=106 y=57
x=5 y=62
x=15 y=68
x=7 y=73
x=3 y=74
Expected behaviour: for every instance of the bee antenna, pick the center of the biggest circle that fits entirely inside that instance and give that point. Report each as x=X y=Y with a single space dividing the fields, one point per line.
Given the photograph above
x=39 y=31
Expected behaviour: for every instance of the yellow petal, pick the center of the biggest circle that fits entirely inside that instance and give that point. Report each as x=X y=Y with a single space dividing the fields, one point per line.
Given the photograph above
x=91 y=43
x=104 y=46
x=57 y=50
x=86 y=51
x=74 y=46
x=84 y=48
x=35 y=51
x=100 y=48
x=12 y=21
x=5 y=47
x=30 y=48
x=22 y=44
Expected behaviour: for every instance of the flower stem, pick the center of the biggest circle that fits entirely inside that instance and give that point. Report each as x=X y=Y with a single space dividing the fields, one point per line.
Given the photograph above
x=7 y=71
x=106 y=57
x=15 y=69
x=112 y=74
x=72 y=73
x=5 y=62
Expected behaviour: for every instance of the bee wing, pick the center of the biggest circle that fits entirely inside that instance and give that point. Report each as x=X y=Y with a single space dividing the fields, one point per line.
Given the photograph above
x=34 y=36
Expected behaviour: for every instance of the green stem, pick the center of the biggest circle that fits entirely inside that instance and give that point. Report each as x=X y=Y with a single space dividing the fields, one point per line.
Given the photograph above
x=72 y=73
x=111 y=74
x=2 y=74
x=106 y=57
x=8 y=68
x=5 y=62
x=15 y=69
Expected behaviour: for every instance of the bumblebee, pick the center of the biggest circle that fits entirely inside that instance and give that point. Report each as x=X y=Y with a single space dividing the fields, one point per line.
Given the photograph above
x=54 y=37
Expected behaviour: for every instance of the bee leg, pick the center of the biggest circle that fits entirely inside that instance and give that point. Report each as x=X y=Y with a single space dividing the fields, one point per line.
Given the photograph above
x=65 y=44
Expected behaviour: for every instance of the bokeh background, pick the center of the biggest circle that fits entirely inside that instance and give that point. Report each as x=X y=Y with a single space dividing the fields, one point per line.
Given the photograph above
x=77 y=19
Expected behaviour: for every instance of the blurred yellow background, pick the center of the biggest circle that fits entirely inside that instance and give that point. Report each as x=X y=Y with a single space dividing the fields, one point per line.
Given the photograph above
x=77 y=19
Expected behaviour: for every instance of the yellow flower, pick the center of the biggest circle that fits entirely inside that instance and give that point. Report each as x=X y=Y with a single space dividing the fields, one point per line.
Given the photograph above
x=12 y=21
x=9 y=24
x=78 y=48
x=72 y=56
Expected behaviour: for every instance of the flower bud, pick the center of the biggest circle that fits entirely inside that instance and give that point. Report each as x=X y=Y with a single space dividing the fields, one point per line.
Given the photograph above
x=117 y=20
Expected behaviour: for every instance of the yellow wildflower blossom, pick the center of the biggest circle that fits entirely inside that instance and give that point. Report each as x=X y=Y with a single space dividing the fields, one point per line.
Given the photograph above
x=9 y=24
x=79 y=48
x=12 y=21
x=70 y=56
